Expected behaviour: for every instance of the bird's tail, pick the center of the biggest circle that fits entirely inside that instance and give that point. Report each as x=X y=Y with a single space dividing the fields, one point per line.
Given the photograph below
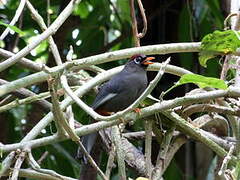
x=88 y=141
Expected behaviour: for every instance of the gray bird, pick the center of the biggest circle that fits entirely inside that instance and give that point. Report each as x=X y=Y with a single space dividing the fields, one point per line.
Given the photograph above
x=120 y=91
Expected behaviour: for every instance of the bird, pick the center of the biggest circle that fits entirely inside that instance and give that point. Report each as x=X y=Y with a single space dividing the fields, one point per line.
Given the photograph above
x=120 y=92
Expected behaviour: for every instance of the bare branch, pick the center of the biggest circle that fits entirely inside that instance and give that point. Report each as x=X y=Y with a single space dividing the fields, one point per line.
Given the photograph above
x=119 y=151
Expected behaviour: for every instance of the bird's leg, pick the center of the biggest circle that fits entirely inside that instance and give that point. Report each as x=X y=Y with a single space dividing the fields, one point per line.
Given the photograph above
x=137 y=110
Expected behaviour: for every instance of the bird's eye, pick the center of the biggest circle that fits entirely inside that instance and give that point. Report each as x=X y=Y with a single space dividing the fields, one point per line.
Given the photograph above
x=139 y=59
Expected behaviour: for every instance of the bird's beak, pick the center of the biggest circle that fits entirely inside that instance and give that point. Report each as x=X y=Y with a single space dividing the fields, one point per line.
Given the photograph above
x=147 y=60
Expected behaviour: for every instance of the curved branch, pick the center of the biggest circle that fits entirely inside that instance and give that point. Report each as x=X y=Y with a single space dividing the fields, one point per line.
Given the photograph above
x=98 y=59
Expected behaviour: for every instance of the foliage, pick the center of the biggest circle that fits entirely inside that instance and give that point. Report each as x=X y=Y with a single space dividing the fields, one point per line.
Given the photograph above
x=98 y=26
x=218 y=43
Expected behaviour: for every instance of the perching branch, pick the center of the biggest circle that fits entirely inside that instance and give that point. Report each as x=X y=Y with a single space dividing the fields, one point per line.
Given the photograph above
x=106 y=57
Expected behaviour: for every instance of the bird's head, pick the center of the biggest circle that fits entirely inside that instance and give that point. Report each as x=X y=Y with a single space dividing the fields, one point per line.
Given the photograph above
x=142 y=60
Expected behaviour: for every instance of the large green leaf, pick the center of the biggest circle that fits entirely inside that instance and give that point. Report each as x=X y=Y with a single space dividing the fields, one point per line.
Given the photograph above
x=202 y=81
x=218 y=43
x=199 y=80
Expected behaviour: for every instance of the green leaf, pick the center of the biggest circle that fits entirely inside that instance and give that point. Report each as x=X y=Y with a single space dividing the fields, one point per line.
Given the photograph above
x=215 y=10
x=14 y=28
x=199 y=80
x=218 y=43
x=202 y=81
x=82 y=10
x=237 y=171
x=123 y=10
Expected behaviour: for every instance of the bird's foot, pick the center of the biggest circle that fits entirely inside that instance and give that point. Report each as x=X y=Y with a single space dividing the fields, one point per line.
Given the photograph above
x=137 y=110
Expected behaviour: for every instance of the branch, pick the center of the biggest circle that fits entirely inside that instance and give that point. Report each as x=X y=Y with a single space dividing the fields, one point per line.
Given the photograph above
x=43 y=26
x=28 y=173
x=148 y=147
x=119 y=152
x=26 y=63
x=226 y=161
x=164 y=148
x=18 y=164
x=110 y=162
x=210 y=108
x=30 y=98
x=97 y=59
x=51 y=30
x=96 y=116
x=73 y=135
x=197 y=134
x=145 y=112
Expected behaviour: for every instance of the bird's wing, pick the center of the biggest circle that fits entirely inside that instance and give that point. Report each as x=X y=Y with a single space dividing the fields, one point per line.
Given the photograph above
x=109 y=90
x=102 y=100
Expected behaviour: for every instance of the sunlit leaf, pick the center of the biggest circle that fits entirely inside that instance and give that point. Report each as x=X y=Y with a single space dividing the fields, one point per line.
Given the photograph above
x=236 y=171
x=202 y=81
x=199 y=80
x=82 y=10
x=14 y=28
x=218 y=43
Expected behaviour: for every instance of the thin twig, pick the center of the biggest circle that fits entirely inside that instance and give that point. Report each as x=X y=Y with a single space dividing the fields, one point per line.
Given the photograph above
x=226 y=20
x=134 y=24
x=164 y=148
x=142 y=10
x=116 y=12
x=69 y=112
x=29 y=173
x=43 y=156
x=48 y=13
x=226 y=161
x=91 y=161
x=27 y=100
x=56 y=110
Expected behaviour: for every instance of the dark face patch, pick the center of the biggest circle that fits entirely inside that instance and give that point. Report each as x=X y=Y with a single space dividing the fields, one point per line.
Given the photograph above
x=139 y=58
x=142 y=60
